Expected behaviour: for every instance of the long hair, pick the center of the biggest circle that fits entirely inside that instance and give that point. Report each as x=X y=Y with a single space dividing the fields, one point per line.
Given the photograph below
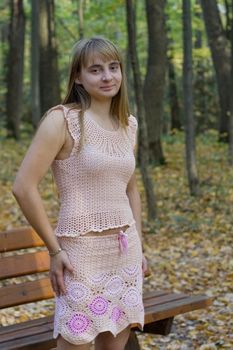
x=77 y=97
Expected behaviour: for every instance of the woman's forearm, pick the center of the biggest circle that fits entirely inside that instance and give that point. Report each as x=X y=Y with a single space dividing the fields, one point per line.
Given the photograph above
x=32 y=207
x=135 y=204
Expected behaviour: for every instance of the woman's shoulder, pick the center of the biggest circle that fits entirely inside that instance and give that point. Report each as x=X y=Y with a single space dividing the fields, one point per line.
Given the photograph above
x=65 y=107
x=67 y=111
x=54 y=115
x=52 y=120
x=133 y=123
x=55 y=110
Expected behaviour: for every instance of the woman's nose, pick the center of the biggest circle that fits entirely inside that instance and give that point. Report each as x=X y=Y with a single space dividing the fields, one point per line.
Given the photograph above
x=107 y=75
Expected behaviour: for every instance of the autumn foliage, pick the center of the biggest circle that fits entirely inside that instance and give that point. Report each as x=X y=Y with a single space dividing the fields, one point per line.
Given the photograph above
x=189 y=245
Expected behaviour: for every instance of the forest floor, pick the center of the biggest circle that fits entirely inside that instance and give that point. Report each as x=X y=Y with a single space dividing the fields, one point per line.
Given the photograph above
x=189 y=245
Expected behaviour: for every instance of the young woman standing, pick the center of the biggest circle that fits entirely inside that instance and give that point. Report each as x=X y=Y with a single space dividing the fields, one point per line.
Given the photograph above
x=97 y=264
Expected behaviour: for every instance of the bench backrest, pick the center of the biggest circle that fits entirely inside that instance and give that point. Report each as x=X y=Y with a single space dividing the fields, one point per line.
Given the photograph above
x=24 y=262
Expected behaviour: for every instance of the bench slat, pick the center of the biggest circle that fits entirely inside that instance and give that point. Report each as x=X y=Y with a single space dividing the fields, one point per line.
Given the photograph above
x=45 y=320
x=25 y=264
x=148 y=295
x=42 y=340
x=19 y=238
x=165 y=298
x=170 y=309
x=25 y=325
x=26 y=293
x=28 y=328
x=32 y=332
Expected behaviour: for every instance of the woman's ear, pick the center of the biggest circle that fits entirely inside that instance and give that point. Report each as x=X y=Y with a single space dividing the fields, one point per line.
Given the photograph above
x=78 y=80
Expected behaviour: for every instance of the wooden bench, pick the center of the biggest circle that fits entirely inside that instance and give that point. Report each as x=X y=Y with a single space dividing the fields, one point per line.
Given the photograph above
x=160 y=306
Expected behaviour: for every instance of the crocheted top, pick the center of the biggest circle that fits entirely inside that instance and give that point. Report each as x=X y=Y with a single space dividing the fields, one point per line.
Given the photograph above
x=92 y=181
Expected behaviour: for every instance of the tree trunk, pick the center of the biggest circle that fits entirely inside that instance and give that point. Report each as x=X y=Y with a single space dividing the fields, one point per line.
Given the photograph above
x=143 y=140
x=35 y=81
x=49 y=75
x=172 y=86
x=5 y=29
x=199 y=85
x=130 y=82
x=15 y=68
x=231 y=95
x=155 y=78
x=188 y=100
x=198 y=32
x=228 y=19
x=173 y=96
x=80 y=17
x=220 y=50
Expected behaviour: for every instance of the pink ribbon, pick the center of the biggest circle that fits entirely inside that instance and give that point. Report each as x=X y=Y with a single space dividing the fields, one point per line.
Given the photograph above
x=123 y=242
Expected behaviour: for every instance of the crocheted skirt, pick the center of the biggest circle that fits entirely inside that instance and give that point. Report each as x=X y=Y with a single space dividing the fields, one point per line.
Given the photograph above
x=105 y=291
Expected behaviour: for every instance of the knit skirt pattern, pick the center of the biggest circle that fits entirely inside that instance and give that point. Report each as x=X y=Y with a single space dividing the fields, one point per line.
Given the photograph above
x=104 y=293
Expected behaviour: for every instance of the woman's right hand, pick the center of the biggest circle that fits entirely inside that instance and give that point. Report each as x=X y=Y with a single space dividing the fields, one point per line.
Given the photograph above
x=58 y=264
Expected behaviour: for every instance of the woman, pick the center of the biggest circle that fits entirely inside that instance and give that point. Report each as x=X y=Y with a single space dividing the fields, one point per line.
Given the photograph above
x=97 y=265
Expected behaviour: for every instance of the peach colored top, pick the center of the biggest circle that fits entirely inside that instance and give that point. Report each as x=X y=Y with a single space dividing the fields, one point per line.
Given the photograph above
x=92 y=181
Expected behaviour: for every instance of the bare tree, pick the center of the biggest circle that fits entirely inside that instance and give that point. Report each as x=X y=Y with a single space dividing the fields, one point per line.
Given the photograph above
x=15 y=68
x=173 y=95
x=155 y=77
x=35 y=78
x=143 y=138
x=4 y=32
x=188 y=100
x=172 y=84
x=80 y=17
x=231 y=96
x=198 y=33
x=49 y=76
x=220 y=50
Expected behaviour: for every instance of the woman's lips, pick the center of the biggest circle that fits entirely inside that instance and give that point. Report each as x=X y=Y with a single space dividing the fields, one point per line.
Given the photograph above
x=109 y=87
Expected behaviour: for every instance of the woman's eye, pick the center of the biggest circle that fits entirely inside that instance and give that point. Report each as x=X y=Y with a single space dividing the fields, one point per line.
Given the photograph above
x=94 y=70
x=114 y=68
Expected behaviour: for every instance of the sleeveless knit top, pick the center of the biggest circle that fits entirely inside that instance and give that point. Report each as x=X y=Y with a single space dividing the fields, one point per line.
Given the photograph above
x=92 y=181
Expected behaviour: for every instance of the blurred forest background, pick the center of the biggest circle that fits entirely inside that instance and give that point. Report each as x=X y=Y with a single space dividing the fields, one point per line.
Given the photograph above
x=178 y=59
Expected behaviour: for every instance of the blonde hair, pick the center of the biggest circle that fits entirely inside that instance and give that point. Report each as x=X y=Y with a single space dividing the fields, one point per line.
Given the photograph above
x=77 y=97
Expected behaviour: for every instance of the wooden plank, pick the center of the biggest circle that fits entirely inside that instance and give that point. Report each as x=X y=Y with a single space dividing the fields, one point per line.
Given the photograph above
x=26 y=326
x=25 y=293
x=41 y=341
x=162 y=299
x=19 y=238
x=159 y=312
x=148 y=295
x=24 y=264
x=27 y=329
x=33 y=291
x=31 y=333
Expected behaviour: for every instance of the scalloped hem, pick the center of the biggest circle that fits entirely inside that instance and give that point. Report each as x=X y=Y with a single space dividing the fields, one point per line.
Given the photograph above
x=81 y=233
x=140 y=325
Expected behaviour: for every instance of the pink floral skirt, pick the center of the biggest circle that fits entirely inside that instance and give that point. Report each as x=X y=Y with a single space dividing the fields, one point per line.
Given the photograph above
x=105 y=291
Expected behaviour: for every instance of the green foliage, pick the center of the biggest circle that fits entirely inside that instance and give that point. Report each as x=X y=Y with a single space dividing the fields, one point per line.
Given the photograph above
x=108 y=18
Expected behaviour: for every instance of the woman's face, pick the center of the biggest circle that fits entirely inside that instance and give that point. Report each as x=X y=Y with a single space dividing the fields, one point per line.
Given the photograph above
x=100 y=78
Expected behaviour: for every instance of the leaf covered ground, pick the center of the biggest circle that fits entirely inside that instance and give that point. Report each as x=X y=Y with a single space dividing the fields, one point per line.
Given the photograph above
x=189 y=246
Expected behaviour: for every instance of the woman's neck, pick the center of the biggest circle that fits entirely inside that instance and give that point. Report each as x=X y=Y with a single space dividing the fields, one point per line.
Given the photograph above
x=100 y=108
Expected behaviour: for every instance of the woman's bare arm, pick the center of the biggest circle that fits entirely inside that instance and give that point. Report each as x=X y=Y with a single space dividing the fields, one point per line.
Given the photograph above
x=44 y=148
x=46 y=144
x=135 y=202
